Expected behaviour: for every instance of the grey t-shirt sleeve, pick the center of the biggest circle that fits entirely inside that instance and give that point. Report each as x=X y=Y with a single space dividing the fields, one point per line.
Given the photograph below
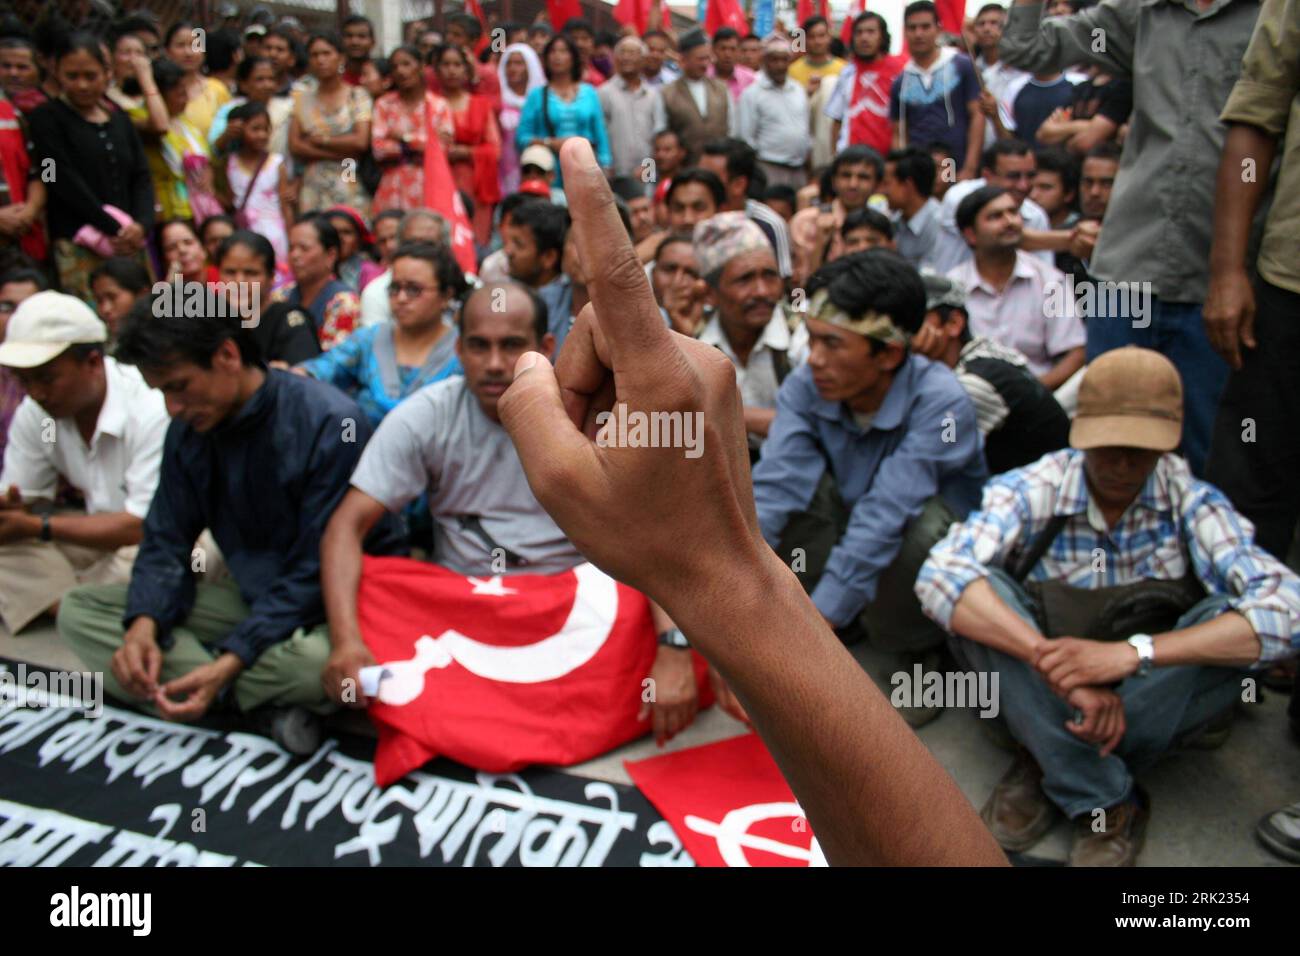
x=404 y=456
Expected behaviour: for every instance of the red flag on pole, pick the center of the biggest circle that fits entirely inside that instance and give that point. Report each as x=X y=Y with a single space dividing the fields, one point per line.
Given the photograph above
x=808 y=8
x=846 y=31
x=441 y=196
x=472 y=6
x=636 y=14
x=562 y=11
x=729 y=805
x=951 y=15
x=725 y=13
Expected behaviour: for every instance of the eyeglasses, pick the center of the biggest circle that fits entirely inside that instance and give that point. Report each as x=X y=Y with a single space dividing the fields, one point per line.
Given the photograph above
x=411 y=289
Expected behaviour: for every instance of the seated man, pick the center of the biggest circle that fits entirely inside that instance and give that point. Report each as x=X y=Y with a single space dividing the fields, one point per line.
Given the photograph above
x=447 y=440
x=533 y=241
x=1118 y=599
x=815 y=230
x=1021 y=421
x=748 y=323
x=872 y=453
x=89 y=421
x=260 y=457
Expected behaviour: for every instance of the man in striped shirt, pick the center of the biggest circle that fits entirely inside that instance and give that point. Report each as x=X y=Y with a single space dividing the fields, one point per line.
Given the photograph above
x=1032 y=581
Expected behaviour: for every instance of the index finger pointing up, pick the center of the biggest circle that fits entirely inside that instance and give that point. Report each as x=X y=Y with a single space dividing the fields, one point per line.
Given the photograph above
x=620 y=292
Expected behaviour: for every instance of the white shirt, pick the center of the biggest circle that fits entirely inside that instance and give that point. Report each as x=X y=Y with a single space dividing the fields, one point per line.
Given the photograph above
x=375 y=308
x=1034 y=313
x=774 y=120
x=950 y=249
x=117 y=471
x=700 y=94
x=757 y=379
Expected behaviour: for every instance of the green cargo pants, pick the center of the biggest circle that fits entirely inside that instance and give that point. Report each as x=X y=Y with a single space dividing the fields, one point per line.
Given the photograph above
x=894 y=620
x=90 y=621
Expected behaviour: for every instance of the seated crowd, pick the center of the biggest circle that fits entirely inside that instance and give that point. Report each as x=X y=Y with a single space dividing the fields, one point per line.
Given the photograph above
x=241 y=349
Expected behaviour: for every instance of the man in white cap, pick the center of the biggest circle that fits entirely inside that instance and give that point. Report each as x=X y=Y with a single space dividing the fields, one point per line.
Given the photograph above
x=89 y=421
x=745 y=292
x=1119 y=600
x=773 y=116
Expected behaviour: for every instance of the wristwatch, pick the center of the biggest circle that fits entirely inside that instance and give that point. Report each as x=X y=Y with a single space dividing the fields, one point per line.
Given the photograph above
x=45 y=528
x=1146 y=649
x=673 y=637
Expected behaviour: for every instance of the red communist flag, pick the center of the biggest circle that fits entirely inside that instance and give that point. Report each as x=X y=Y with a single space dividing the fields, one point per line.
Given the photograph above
x=441 y=196
x=725 y=13
x=562 y=11
x=951 y=15
x=637 y=14
x=846 y=31
x=808 y=8
x=472 y=6
x=729 y=805
x=501 y=672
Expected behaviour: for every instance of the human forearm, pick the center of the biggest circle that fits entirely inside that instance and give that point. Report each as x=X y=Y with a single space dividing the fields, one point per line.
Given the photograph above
x=981 y=616
x=104 y=532
x=1226 y=641
x=857 y=770
x=1060 y=373
x=1237 y=195
x=759 y=420
x=1055 y=240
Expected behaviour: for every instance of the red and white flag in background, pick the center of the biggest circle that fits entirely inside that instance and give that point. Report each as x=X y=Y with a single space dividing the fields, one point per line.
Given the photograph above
x=473 y=8
x=807 y=8
x=636 y=14
x=501 y=672
x=729 y=805
x=846 y=31
x=562 y=11
x=725 y=13
x=441 y=196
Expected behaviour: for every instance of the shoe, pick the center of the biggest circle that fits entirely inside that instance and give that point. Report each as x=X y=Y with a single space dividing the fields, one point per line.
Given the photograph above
x=1279 y=832
x=296 y=729
x=1121 y=840
x=1018 y=813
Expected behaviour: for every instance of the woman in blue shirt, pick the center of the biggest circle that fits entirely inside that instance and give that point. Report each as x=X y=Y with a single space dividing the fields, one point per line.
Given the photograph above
x=564 y=107
x=379 y=365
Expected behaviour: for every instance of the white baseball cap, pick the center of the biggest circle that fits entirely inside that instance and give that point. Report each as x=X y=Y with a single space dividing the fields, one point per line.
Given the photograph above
x=44 y=325
x=539 y=156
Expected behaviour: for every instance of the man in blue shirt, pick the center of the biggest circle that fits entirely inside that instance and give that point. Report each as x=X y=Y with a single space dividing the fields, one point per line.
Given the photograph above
x=873 y=452
x=261 y=458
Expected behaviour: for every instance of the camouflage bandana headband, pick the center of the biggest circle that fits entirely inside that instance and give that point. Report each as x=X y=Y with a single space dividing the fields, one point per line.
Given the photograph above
x=872 y=324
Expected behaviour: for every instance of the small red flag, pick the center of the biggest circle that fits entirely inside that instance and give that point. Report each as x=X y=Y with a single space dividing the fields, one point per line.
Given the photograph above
x=951 y=15
x=636 y=14
x=562 y=11
x=725 y=13
x=473 y=7
x=441 y=196
x=808 y=8
x=729 y=805
x=846 y=31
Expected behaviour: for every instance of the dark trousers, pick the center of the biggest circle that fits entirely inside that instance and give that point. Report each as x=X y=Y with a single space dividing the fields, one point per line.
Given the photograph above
x=1255 y=452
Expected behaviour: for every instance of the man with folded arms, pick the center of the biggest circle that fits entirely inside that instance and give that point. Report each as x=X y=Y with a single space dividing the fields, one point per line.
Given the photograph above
x=1119 y=599
x=86 y=420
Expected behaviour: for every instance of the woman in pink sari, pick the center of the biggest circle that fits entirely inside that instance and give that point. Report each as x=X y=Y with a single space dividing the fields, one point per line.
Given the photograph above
x=521 y=72
x=476 y=147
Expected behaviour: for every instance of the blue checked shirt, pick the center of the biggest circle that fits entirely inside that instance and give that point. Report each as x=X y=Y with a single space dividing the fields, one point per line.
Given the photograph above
x=1176 y=517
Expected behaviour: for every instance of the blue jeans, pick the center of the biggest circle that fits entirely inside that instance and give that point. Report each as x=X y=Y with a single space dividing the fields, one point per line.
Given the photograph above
x=1176 y=331
x=1158 y=708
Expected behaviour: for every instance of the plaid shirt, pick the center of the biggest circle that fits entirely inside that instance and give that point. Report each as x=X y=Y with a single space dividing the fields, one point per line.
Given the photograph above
x=1176 y=517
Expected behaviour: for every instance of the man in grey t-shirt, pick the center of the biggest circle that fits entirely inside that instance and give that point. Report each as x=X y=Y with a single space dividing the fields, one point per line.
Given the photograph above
x=446 y=440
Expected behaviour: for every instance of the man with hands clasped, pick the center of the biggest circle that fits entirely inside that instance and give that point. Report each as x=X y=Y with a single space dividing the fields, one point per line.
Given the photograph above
x=1118 y=599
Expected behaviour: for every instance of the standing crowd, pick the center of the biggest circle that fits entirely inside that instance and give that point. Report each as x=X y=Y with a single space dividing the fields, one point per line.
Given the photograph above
x=1008 y=311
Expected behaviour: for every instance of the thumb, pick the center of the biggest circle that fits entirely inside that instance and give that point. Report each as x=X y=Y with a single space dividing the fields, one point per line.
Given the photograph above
x=532 y=413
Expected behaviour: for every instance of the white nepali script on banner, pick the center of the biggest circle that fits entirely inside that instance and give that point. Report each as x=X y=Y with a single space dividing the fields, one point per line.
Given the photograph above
x=495 y=819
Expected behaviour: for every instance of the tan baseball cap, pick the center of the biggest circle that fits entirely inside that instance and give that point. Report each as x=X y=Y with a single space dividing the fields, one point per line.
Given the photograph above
x=44 y=325
x=1130 y=398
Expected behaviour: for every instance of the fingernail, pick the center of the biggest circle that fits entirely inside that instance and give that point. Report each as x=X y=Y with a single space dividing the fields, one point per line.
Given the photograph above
x=526 y=361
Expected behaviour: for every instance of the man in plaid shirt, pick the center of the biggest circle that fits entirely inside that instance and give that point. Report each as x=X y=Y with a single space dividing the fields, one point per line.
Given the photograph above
x=1117 y=508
